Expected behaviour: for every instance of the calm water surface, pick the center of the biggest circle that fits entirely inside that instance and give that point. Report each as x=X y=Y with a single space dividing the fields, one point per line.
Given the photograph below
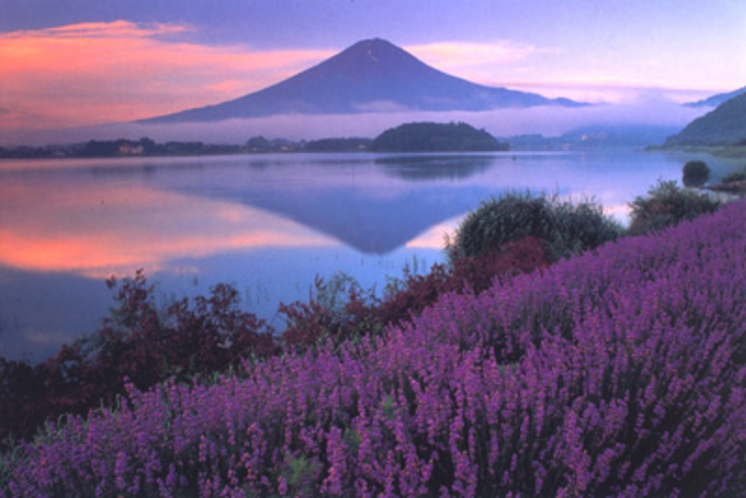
x=267 y=224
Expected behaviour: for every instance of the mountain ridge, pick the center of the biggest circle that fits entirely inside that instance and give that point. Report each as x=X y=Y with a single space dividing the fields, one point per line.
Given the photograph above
x=725 y=125
x=372 y=75
x=716 y=100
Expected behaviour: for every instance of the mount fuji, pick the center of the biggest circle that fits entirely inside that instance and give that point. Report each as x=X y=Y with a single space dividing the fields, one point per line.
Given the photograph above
x=370 y=76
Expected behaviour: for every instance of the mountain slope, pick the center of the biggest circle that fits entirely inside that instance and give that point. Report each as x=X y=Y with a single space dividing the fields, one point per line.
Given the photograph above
x=716 y=100
x=372 y=75
x=726 y=125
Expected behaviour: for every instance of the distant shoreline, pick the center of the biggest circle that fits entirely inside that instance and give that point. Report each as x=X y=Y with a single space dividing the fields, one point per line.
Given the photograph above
x=723 y=151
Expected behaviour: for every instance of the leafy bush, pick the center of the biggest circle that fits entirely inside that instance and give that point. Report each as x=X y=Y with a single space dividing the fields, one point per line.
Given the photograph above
x=471 y=275
x=616 y=373
x=667 y=205
x=139 y=341
x=696 y=173
x=340 y=309
x=568 y=228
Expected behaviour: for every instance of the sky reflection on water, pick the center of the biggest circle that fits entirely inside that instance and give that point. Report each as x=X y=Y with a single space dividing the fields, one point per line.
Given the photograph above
x=267 y=224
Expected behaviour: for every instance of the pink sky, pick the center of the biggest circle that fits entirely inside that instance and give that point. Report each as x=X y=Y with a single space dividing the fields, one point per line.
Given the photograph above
x=98 y=73
x=103 y=72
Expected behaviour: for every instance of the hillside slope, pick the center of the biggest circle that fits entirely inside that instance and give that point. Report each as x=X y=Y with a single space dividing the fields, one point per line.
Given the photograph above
x=716 y=100
x=726 y=125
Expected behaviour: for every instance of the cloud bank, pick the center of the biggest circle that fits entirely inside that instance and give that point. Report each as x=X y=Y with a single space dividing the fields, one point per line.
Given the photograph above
x=548 y=121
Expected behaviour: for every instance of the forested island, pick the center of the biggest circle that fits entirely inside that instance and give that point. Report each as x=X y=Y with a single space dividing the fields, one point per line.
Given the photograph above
x=437 y=137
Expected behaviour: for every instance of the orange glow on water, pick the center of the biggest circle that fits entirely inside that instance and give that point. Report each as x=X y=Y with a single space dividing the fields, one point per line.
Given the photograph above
x=119 y=230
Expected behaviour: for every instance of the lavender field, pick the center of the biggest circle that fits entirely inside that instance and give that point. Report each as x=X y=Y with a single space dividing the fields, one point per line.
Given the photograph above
x=620 y=372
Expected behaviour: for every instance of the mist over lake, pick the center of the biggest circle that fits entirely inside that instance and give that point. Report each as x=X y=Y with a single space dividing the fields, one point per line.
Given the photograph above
x=268 y=224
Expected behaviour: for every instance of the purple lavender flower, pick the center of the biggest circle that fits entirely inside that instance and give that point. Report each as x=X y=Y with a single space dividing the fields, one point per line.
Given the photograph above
x=619 y=372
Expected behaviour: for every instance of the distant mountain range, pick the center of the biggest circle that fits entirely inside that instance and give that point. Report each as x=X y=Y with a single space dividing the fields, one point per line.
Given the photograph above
x=371 y=75
x=596 y=136
x=725 y=125
x=716 y=100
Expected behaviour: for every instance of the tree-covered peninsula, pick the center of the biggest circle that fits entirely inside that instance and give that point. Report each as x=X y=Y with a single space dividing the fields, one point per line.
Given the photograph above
x=436 y=137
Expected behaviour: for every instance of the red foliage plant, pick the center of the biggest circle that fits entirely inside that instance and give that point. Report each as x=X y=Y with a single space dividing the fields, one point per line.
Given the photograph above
x=469 y=274
x=148 y=344
x=363 y=313
x=139 y=342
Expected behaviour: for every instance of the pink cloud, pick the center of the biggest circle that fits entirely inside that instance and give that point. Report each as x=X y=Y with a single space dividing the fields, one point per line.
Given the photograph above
x=488 y=63
x=465 y=54
x=104 y=72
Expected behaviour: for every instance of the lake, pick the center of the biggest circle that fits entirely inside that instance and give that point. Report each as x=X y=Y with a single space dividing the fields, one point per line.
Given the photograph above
x=268 y=224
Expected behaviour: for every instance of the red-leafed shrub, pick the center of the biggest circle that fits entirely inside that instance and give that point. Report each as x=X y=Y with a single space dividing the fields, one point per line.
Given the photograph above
x=140 y=342
x=147 y=344
x=522 y=256
x=472 y=274
x=337 y=310
x=340 y=309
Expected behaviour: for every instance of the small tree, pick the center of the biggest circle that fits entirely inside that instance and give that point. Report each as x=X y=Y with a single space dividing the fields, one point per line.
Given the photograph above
x=696 y=173
x=667 y=205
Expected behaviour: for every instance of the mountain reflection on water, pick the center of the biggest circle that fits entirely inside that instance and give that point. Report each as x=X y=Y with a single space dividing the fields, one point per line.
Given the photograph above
x=434 y=167
x=350 y=201
x=267 y=224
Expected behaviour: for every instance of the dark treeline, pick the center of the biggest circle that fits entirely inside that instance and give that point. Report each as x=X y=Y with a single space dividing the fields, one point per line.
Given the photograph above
x=339 y=145
x=119 y=148
x=260 y=144
x=146 y=147
x=410 y=137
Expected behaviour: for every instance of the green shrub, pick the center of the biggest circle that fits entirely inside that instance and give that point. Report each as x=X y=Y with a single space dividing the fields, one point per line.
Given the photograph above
x=667 y=205
x=696 y=174
x=568 y=228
